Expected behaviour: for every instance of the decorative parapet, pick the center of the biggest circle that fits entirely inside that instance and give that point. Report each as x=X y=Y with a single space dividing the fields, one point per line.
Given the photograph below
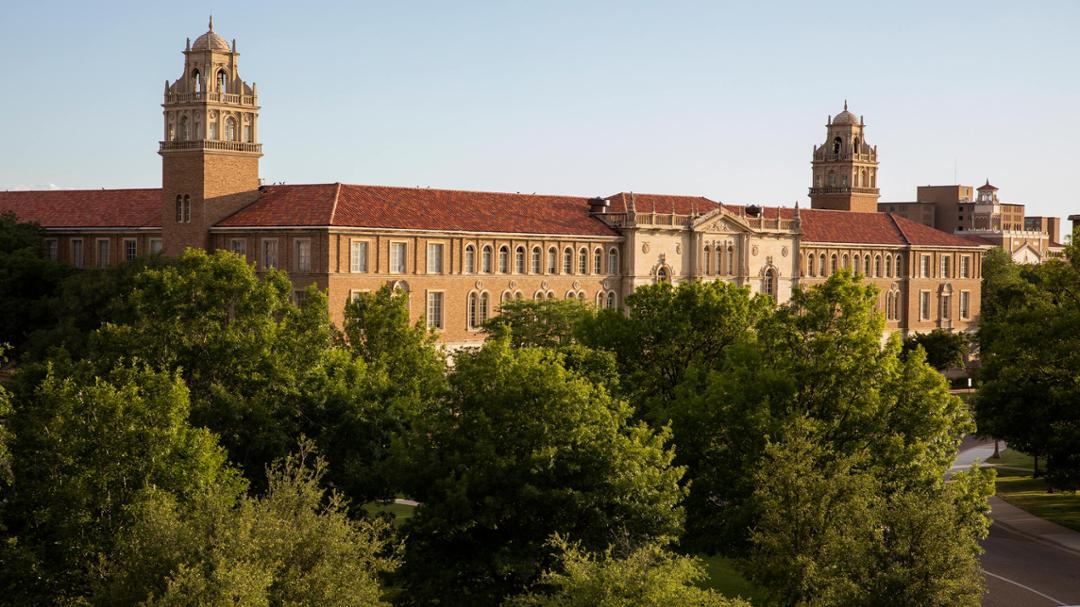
x=217 y=146
x=210 y=97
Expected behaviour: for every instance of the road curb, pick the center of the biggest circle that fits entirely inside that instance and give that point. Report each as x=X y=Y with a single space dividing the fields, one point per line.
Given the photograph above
x=1037 y=538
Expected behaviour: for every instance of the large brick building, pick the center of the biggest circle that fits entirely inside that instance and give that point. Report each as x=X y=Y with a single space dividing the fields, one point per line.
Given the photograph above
x=460 y=253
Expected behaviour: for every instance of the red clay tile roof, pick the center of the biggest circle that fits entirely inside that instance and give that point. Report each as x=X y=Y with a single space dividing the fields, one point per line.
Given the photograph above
x=661 y=203
x=86 y=208
x=419 y=209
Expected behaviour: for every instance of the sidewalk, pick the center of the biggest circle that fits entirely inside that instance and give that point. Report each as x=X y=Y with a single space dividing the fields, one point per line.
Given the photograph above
x=1009 y=516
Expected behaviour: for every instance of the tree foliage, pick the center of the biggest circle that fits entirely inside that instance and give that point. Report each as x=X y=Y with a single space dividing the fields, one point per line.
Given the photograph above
x=650 y=576
x=520 y=449
x=28 y=281
x=944 y=349
x=294 y=546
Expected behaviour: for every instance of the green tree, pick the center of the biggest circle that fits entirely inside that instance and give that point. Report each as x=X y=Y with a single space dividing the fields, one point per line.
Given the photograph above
x=27 y=280
x=5 y=434
x=650 y=576
x=84 y=449
x=521 y=449
x=944 y=349
x=545 y=323
x=294 y=546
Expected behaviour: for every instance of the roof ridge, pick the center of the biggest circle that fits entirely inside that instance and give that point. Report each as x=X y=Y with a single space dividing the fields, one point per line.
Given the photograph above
x=429 y=189
x=333 y=208
x=899 y=228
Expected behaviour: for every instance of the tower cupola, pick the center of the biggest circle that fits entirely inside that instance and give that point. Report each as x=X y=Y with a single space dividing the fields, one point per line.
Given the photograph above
x=845 y=167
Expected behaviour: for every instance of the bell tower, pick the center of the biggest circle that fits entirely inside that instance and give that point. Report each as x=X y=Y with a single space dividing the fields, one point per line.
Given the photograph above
x=210 y=152
x=845 y=167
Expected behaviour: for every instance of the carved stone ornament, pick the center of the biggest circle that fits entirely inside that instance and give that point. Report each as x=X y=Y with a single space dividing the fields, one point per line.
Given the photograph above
x=678 y=249
x=544 y=285
x=604 y=283
x=753 y=250
x=479 y=284
x=577 y=285
x=644 y=247
x=513 y=284
x=784 y=251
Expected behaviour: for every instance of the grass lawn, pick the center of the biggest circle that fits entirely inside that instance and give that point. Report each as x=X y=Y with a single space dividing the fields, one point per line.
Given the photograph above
x=1020 y=490
x=726 y=579
x=401 y=512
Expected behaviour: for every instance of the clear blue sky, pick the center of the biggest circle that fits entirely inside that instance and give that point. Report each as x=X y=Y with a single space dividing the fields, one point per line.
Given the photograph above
x=723 y=99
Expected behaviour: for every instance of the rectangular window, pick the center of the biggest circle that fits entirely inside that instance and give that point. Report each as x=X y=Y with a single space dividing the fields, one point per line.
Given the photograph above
x=302 y=254
x=155 y=246
x=103 y=252
x=358 y=256
x=131 y=249
x=965 y=267
x=52 y=249
x=434 y=258
x=946 y=307
x=924 y=266
x=238 y=246
x=435 y=309
x=945 y=266
x=397 y=257
x=77 y=252
x=269 y=253
x=965 y=303
x=924 y=305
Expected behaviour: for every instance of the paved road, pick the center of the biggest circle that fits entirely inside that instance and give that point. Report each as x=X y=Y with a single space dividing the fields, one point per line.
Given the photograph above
x=1022 y=571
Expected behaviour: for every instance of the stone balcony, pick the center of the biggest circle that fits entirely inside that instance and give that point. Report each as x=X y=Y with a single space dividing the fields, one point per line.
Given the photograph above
x=843 y=190
x=205 y=145
x=208 y=97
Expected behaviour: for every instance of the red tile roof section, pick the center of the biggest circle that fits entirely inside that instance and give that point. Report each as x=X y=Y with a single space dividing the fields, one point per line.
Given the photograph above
x=661 y=203
x=86 y=208
x=419 y=209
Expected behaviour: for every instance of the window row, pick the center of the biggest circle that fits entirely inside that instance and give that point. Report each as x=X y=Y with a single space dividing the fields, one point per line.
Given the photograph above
x=873 y=266
x=101 y=249
x=533 y=261
x=944 y=305
x=945 y=266
x=719 y=261
x=269 y=252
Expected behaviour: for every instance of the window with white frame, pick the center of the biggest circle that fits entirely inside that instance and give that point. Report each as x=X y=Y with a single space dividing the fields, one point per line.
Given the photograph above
x=583 y=261
x=613 y=261
x=155 y=246
x=398 y=257
x=866 y=266
x=899 y=266
x=888 y=305
x=611 y=303
x=435 y=309
x=965 y=305
x=358 y=256
x=731 y=261
x=946 y=306
x=435 y=260
x=238 y=246
x=537 y=261
x=965 y=266
x=924 y=305
x=52 y=249
x=269 y=253
x=519 y=260
x=485 y=259
x=877 y=266
x=77 y=252
x=924 y=266
x=470 y=259
x=103 y=252
x=553 y=261
x=568 y=261
x=131 y=249
x=504 y=260
x=810 y=265
x=302 y=254
x=485 y=307
x=945 y=266
x=598 y=261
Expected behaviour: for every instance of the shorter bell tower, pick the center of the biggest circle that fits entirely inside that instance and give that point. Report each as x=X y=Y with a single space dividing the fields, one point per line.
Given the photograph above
x=845 y=167
x=210 y=152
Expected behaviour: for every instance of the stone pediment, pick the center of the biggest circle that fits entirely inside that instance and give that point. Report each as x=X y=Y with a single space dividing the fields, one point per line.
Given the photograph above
x=720 y=221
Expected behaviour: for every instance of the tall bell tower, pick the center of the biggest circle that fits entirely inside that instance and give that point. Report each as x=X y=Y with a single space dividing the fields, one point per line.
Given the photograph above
x=210 y=152
x=845 y=167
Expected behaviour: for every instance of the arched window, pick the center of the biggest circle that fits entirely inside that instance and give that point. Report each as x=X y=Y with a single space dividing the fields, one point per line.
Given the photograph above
x=184 y=134
x=888 y=305
x=855 y=144
x=472 y=312
x=538 y=295
x=855 y=263
x=888 y=266
x=551 y=294
x=504 y=260
x=212 y=125
x=249 y=129
x=866 y=266
x=768 y=283
x=836 y=144
x=196 y=82
x=821 y=267
x=581 y=296
x=485 y=306
x=662 y=276
x=470 y=259
x=611 y=299
x=519 y=260
x=230 y=129
x=833 y=267
x=877 y=266
x=598 y=261
x=568 y=261
x=613 y=261
x=899 y=266
x=810 y=265
x=221 y=80
x=865 y=180
x=571 y=295
x=873 y=179
x=553 y=260
x=518 y=296
x=537 y=262
x=485 y=259
x=847 y=262
x=505 y=297
x=599 y=299
x=583 y=261
x=708 y=260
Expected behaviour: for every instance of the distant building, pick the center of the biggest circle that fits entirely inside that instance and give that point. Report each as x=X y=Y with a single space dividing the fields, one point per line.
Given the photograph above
x=459 y=254
x=954 y=209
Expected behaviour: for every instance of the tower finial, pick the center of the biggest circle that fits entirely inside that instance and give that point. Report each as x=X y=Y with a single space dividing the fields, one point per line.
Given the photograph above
x=845 y=101
x=212 y=29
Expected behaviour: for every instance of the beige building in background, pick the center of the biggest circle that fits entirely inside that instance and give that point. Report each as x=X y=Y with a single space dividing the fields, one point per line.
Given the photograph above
x=459 y=254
